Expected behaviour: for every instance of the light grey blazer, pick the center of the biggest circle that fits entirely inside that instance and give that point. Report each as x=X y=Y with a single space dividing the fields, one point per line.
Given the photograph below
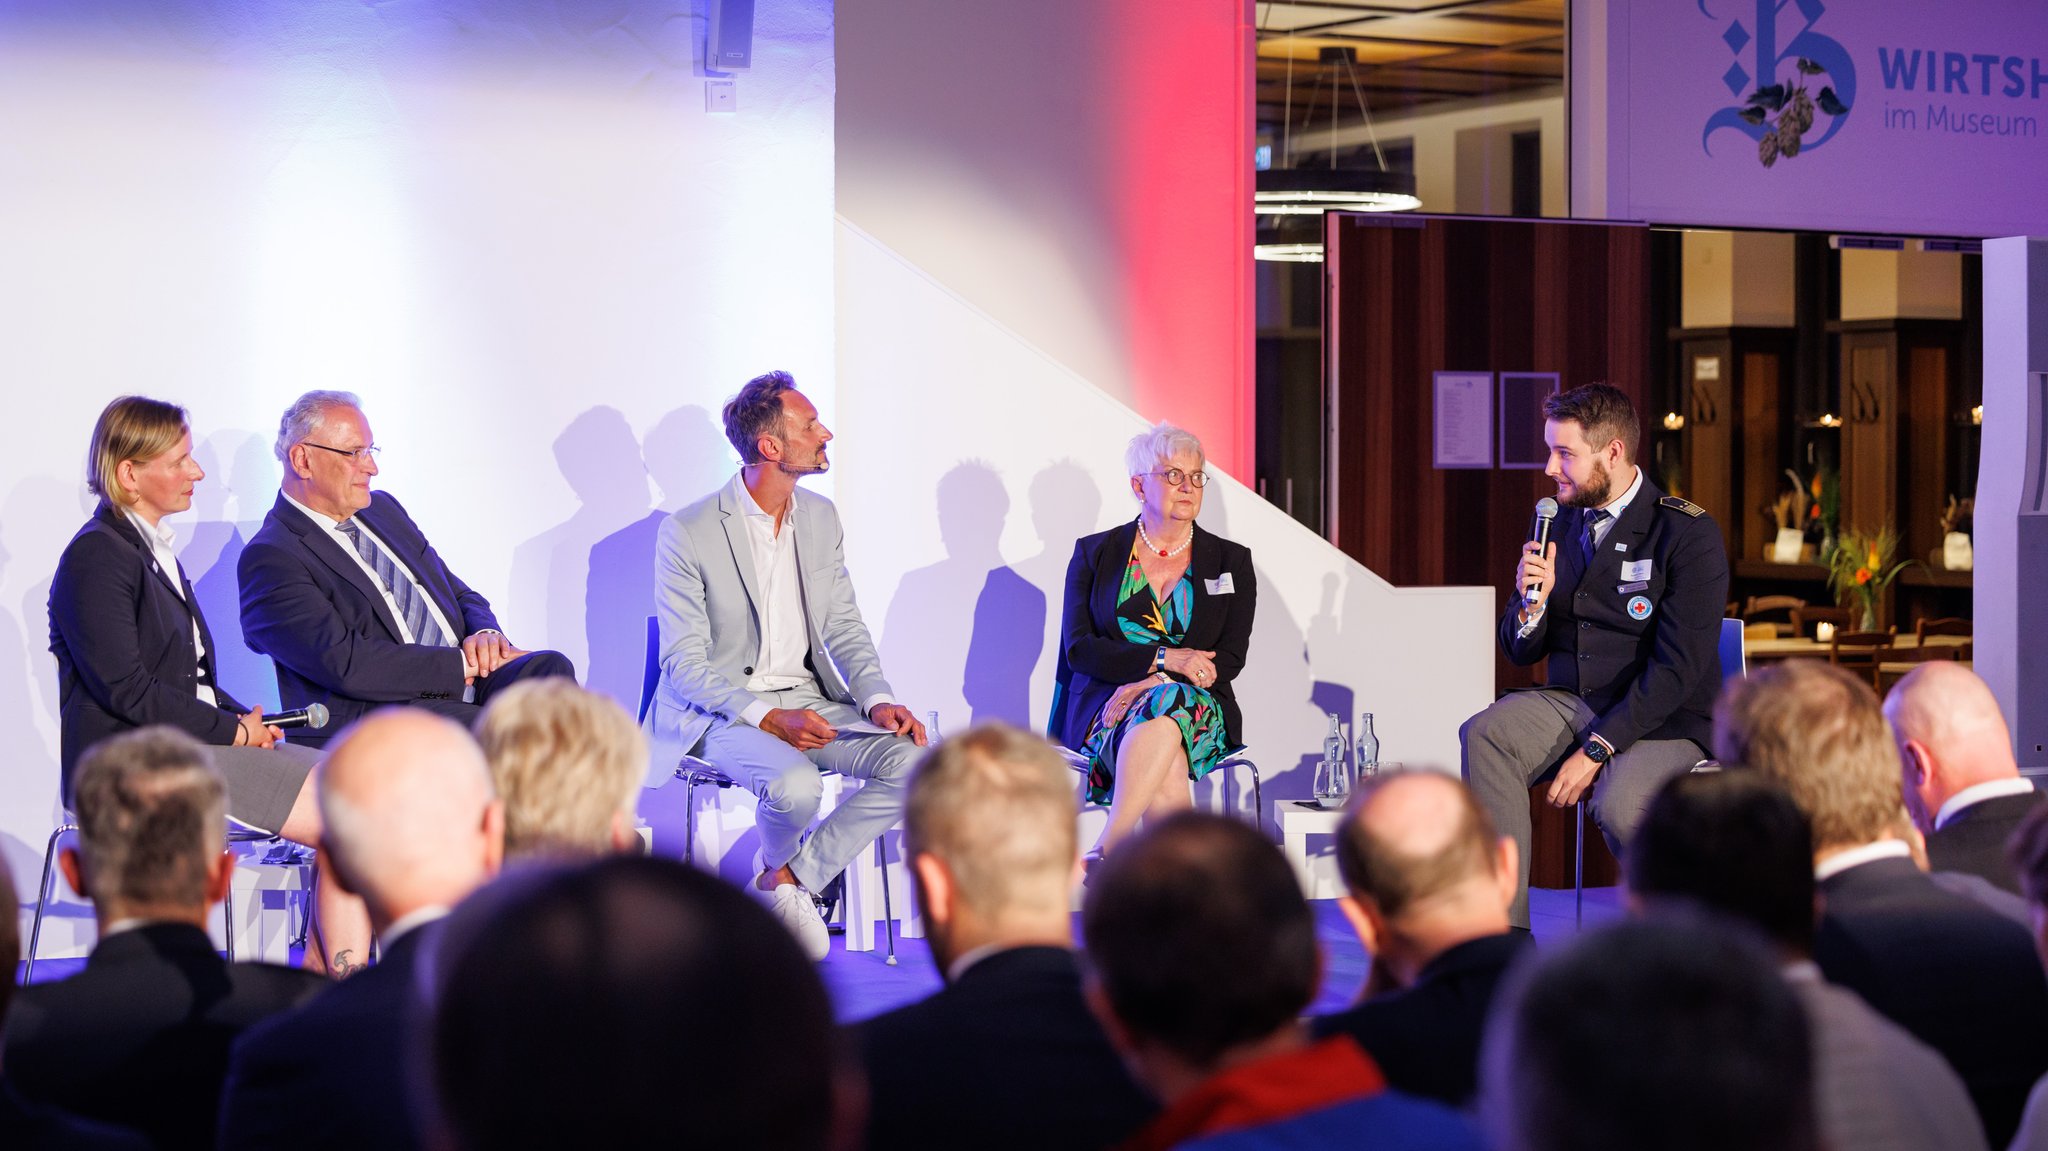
x=706 y=595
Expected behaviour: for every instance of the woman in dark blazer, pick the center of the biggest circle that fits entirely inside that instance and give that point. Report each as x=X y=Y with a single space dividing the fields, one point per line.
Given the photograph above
x=133 y=648
x=1157 y=619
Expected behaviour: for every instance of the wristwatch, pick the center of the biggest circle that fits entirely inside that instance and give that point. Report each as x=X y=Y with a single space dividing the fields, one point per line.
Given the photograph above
x=1159 y=659
x=1596 y=749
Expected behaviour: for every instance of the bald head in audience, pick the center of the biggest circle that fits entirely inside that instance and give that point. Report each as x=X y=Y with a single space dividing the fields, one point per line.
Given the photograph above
x=412 y=820
x=1950 y=736
x=1425 y=869
x=567 y=763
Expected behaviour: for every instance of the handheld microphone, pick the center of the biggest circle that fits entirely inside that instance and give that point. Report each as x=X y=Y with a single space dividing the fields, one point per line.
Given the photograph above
x=1546 y=511
x=313 y=715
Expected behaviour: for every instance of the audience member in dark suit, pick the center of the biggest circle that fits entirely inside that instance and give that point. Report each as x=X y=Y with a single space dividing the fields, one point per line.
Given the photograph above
x=1958 y=975
x=1735 y=843
x=1584 y=1054
x=343 y=591
x=140 y=1037
x=1007 y=1054
x=26 y=1126
x=2030 y=862
x=1962 y=784
x=1201 y=957
x=1430 y=882
x=412 y=826
x=631 y=1002
x=1157 y=622
x=133 y=648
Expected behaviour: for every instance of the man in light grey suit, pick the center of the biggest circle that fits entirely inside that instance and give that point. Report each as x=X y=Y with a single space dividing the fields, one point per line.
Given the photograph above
x=767 y=669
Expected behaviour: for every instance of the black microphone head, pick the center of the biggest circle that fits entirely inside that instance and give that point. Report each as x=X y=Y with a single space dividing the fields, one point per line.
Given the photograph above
x=316 y=715
x=1546 y=508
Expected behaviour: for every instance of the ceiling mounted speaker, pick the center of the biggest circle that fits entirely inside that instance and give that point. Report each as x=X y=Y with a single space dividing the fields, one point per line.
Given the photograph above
x=729 y=45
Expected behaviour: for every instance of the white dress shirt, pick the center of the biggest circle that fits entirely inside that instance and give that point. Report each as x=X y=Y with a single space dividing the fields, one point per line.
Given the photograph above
x=785 y=627
x=160 y=539
x=1842 y=861
x=1978 y=793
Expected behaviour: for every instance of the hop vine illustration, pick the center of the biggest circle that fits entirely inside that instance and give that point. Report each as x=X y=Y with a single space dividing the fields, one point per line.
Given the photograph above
x=1794 y=109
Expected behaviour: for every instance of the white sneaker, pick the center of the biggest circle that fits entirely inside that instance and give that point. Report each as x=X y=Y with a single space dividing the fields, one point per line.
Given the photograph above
x=793 y=906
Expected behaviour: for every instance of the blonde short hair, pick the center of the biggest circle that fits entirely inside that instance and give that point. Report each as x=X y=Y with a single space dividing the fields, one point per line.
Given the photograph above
x=565 y=761
x=1818 y=732
x=996 y=805
x=131 y=428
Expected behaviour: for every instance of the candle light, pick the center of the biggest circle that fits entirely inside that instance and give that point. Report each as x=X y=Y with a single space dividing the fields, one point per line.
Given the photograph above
x=1824 y=632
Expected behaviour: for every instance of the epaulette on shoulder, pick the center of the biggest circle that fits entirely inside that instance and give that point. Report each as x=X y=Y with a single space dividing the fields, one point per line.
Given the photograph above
x=1681 y=504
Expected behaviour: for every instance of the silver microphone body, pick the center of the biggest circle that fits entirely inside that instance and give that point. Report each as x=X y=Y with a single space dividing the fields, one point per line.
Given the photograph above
x=313 y=715
x=1546 y=511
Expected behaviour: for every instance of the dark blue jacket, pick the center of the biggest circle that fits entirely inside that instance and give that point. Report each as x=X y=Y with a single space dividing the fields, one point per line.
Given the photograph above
x=309 y=606
x=122 y=636
x=1647 y=674
x=336 y=1072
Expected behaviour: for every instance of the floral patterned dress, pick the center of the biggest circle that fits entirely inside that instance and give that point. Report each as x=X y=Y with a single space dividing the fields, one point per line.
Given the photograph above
x=1148 y=621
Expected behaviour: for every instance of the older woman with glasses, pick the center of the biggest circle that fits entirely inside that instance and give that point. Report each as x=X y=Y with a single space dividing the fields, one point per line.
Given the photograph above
x=1157 y=619
x=133 y=648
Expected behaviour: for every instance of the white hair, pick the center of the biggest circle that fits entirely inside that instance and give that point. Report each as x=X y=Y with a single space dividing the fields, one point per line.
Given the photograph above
x=1158 y=444
x=306 y=415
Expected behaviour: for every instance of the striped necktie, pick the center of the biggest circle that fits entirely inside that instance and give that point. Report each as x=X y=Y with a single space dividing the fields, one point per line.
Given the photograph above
x=412 y=606
x=1592 y=538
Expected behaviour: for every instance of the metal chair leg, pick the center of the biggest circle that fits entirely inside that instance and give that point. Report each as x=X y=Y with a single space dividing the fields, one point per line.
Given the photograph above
x=690 y=818
x=888 y=903
x=227 y=919
x=35 y=933
x=1579 y=865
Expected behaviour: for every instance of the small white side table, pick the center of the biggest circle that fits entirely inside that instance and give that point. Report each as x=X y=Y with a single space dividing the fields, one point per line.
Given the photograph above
x=1317 y=873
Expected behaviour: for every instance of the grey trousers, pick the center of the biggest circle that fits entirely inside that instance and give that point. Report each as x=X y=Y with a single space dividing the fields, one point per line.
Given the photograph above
x=1525 y=735
x=787 y=784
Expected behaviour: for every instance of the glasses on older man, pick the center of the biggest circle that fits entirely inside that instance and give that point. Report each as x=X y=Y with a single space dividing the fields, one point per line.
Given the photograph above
x=360 y=456
x=1174 y=477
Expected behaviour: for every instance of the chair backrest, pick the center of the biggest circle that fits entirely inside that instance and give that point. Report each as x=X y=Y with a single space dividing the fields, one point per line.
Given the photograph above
x=1803 y=618
x=1862 y=651
x=650 y=677
x=1734 y=653
x=1947 y=625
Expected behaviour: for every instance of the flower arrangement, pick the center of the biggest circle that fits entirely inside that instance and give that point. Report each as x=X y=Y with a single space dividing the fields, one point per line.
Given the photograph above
x=1862 y=568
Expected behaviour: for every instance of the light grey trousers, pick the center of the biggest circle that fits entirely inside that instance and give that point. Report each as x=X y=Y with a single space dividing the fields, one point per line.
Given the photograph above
x=1523 y=736
x=787 y=784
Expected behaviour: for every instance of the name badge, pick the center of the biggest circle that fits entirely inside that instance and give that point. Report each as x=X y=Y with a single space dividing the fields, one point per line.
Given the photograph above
x=1633 y=570
x=1221 y=585
x=1639 y=585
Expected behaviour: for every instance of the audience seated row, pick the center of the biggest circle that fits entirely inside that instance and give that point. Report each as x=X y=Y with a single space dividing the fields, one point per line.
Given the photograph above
x=1790 y=974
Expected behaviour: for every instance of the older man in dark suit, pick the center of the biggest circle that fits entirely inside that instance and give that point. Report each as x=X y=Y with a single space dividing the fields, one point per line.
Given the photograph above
x=1963 y=786
x=1429 y=883
x=1626 y=605
x=1961 y=977
x=140 y=1037
x=1007 y=1054
x=342 y=590
x=414 y=827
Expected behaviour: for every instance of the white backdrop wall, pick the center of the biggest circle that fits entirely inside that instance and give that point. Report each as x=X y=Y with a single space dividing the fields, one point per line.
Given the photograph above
x=509 y=225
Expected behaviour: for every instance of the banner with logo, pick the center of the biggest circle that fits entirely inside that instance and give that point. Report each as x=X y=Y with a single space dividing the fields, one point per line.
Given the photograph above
x=1927 y=117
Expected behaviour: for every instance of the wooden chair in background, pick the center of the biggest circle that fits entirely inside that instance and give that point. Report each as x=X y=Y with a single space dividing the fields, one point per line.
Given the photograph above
x=1777 y=610
x=1862 y=652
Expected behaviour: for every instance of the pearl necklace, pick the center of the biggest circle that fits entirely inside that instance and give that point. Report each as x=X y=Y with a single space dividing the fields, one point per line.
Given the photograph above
x=1163 y=553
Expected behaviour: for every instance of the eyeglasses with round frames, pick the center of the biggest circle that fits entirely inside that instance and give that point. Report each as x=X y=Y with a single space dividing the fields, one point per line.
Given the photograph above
x=1174 y=477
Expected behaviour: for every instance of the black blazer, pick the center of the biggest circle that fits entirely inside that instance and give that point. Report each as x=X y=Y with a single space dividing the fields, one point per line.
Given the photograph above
x=1095 y=659
x=122 y=636
x=1006 y=1057
x=1961 y=977
x=1973 y=840
x=1648 y=673
x=310 y=607
x=334 y=1073
x=25 y=1126
x=140 y=1037
x=1426 y=1037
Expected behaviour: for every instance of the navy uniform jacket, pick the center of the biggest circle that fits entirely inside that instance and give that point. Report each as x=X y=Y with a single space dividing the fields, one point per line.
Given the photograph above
x=1647 y=673
x=122 y=635
x=309 y=606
